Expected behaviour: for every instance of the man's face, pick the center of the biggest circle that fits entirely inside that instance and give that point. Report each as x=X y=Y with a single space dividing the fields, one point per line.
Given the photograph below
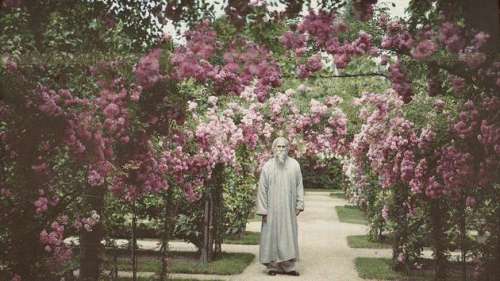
x=281 y=151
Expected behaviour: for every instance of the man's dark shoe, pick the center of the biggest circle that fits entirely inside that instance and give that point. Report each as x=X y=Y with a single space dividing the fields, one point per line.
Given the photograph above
x=272 y=272
x=293 y=273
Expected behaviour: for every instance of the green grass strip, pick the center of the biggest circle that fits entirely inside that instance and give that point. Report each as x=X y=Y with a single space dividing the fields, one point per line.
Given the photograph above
x=186 y=262
x=340 y=195
x=363 y=241
x=376 y=268
x=351 y=214
x=380 y=269
x=249 y=238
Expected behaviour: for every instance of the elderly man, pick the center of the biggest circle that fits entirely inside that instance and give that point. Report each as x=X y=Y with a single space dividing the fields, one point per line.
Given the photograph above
x=280 y=199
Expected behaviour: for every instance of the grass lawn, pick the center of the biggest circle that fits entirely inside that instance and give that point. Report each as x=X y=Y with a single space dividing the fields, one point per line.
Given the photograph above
x=351 y=214
x=363 y=241
x=338 y=194
x=249 y=238
x=380 y=269
x=187 y=262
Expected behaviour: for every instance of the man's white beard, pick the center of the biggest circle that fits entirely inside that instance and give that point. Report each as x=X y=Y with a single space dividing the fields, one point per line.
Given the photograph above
x=281 y=157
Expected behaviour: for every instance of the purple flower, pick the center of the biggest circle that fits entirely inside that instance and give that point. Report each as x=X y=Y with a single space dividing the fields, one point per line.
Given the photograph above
x=451 y=36
x=94 y=178
x=147 y=71
x=424 y=50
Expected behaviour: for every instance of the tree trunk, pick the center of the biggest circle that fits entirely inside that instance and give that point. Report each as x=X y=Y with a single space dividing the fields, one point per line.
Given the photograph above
x=218 y=230
x=213 y=216
x=134 y=241
x=24 y=227
x=463 y=236
x=25 y=246
x=168 y=225
x=496 y=259
x=218 y=209
x=400 y=215
x=210 y=248
x=91 y=249
x=206 y=229
x=438 y=240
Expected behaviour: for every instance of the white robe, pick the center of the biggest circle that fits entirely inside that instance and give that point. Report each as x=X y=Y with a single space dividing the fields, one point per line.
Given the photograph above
x=280 y=194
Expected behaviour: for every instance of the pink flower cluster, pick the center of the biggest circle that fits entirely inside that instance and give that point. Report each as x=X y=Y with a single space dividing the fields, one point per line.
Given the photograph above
x=400 y=82
x=320 y=26
x=53 y=241
x=397 y=37
x=142 y=172
x=323 y=29
x=418 y=182
x=488 y=138
x=295 y=41
x=424 y=49
x=78 y=134
x=468 y=121
x=386 y=140
x=97 y=173
x=41 y=204
x=51 y=101
x=427 y=42
x=87 y=223
x=323 y=128
x=490 y=135
x=44 y=200
x=218 y=137
x=147 y=72
x=244 y=62
x=452 y=37
x=408 y=166
x=434 y=188
x=192 y=60
x=114 y=107
x=455 y=168
x=426 y=139
x=363 y=9
x=312 y=65
x=389 y=144
x=251 y=124
x=185 y=169
x=279 y=103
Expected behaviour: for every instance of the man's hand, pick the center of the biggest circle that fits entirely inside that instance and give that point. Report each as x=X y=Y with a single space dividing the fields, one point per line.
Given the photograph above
x=297 y=212
x=264 y=219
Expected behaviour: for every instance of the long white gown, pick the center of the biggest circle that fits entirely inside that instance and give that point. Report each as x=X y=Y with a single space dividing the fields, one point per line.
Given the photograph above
x=280 y=193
